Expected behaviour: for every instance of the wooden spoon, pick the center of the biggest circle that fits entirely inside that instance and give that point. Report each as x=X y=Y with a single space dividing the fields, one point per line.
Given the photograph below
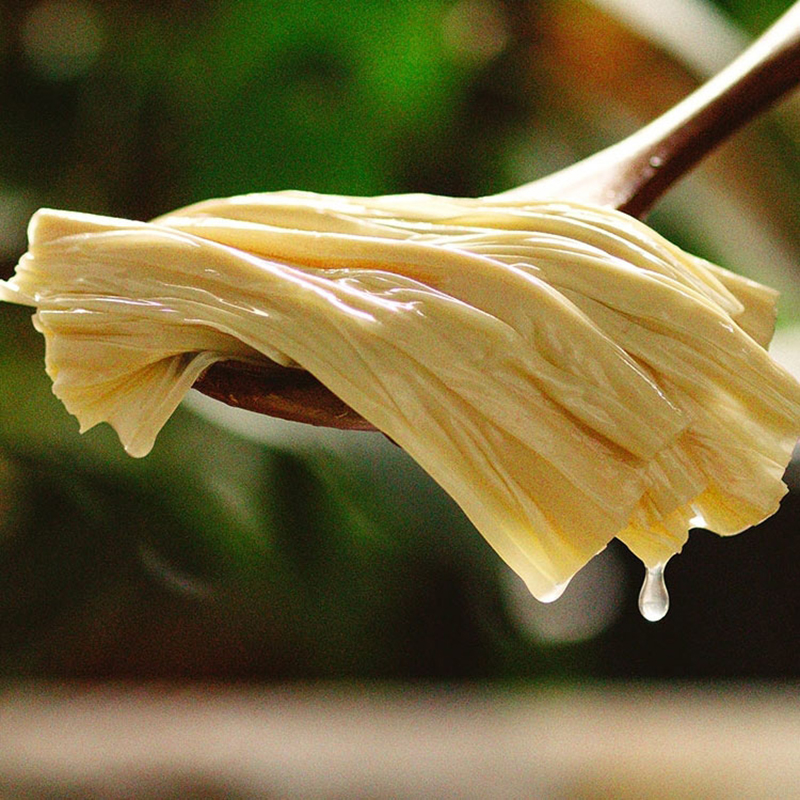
x=629 y=176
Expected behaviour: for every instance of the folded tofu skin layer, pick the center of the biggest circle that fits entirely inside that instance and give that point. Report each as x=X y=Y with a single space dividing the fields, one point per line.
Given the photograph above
x=564 y=372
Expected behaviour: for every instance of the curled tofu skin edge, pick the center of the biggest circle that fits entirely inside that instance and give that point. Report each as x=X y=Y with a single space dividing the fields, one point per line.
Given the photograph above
x=564 y=372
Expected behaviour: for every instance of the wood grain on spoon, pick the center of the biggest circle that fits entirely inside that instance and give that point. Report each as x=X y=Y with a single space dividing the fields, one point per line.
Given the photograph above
x=630 y=176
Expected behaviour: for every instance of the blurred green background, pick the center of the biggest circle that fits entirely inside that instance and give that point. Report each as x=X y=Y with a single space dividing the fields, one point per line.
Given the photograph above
x=244 y=548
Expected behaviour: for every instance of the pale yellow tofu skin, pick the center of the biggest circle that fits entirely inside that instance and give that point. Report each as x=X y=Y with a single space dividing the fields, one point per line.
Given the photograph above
x=565 y=373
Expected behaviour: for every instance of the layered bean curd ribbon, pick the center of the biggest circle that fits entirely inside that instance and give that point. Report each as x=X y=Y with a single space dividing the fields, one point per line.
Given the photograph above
x=563 y=371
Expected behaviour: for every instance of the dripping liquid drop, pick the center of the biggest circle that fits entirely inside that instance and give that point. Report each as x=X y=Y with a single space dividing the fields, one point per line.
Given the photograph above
x=654 y=598
x=555 y=592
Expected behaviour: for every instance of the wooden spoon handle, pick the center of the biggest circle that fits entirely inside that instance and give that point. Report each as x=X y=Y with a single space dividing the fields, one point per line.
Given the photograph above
x=632 y=174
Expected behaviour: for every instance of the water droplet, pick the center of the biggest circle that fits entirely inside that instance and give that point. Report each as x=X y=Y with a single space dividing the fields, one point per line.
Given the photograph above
x=555 y=592
x=656 y=161
x=654 y=598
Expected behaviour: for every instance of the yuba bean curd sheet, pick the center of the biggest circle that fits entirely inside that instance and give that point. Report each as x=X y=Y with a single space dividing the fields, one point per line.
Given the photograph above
x=565 y=373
